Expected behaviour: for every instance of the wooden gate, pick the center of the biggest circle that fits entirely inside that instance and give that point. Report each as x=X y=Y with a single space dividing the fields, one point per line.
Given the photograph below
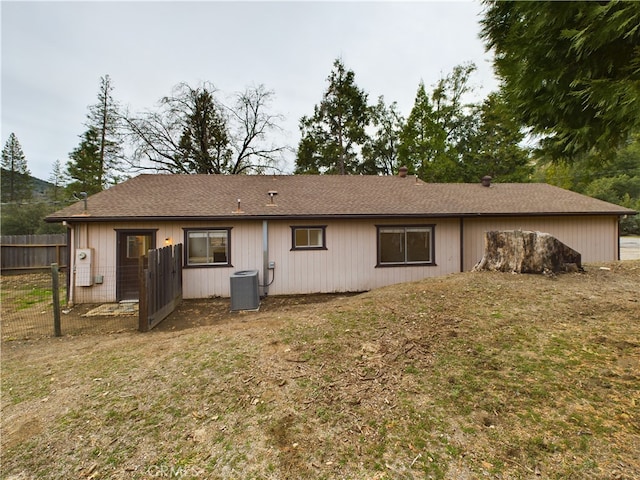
x=160 y=285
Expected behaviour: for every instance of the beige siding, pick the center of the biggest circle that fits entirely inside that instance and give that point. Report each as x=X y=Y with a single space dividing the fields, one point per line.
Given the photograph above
x=348 y=263
x=246 y=254
x=103 y=239
x=594 y=237
x=197 y=282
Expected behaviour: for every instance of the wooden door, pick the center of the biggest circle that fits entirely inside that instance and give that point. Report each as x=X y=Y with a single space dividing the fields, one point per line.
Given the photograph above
x=131 y=246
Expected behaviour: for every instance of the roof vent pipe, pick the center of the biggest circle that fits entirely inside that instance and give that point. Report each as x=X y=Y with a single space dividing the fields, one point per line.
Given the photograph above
x=402 y=172
x=83 y=196
x=486 y=181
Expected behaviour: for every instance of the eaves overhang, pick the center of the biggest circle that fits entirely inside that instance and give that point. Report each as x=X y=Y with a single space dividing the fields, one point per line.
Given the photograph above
x=348 y=216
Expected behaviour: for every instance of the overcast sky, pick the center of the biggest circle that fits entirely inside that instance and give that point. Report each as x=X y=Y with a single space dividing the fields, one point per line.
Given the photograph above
x=54 y=53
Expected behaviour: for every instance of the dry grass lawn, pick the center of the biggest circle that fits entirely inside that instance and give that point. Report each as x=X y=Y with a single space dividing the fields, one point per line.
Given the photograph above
x=475 y=375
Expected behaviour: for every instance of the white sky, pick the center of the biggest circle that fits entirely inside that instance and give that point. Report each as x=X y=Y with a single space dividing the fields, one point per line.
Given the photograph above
x=54 y=53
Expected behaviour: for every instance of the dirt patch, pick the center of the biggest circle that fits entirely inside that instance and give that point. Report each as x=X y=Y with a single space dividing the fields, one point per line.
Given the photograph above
x=21 y=430
x=216 y=311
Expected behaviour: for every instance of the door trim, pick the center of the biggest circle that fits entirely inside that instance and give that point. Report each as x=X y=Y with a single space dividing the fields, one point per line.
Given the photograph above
x=120 y=232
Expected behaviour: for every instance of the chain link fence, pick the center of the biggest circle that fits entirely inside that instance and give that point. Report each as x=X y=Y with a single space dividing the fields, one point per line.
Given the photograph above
x=27 y=309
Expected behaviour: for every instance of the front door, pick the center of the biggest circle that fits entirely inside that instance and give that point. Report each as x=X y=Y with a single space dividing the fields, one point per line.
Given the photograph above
x=131 y=246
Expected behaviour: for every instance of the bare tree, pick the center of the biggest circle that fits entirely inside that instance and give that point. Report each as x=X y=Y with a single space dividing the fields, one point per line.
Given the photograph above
x=251 y=125
x=193 y=132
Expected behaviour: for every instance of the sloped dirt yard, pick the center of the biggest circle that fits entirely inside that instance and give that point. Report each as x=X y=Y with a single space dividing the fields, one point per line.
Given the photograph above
x=475 y=375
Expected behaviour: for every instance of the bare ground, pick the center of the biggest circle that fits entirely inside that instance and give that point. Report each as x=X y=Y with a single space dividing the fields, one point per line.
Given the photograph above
x=27 y=312
x=467 y=376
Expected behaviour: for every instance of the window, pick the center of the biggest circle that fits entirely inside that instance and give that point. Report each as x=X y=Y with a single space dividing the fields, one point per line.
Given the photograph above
x=138 y=245
x=405 y=245
x=208 y=247
x=308 y=238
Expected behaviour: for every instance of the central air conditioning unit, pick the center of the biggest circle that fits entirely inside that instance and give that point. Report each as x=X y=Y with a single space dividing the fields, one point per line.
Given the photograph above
x=244 y=290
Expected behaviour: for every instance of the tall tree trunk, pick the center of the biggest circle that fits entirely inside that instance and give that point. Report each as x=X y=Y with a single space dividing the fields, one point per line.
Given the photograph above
x=103 y=130
x=341 y=158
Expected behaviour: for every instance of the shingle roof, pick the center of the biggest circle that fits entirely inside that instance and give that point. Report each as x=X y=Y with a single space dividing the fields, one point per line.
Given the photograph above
x=207 y=196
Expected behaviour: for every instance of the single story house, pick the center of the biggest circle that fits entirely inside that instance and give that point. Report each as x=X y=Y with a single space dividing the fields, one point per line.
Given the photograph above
x=313 y=233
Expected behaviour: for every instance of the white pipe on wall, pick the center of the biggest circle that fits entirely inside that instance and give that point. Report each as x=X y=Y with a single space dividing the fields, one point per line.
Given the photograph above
x=265 y=257
x=71 y=252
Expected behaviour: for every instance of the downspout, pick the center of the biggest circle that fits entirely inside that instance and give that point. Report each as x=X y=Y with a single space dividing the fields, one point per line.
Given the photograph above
x=68 y=262
x=265 y=258
x=72 y=235
x=461 y=244
x=618 y=236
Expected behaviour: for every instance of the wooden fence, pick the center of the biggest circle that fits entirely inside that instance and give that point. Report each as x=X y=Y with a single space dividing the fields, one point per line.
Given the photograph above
x=33 y=252
x=160 y=285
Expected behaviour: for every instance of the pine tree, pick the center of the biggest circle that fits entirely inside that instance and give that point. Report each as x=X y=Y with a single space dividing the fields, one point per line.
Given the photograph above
x=16 y=179
x=83 y=167
x=334 y=135
x=204 y=144
x=104 y=118
x=57 y=180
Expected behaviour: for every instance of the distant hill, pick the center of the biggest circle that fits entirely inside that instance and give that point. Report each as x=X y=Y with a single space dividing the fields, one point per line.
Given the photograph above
x=40 y=188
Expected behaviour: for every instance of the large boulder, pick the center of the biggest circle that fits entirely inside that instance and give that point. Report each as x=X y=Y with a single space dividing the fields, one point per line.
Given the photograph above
x=527 y=252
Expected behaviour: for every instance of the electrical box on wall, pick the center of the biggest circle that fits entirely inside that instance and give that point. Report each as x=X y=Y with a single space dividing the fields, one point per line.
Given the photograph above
x=84 y=267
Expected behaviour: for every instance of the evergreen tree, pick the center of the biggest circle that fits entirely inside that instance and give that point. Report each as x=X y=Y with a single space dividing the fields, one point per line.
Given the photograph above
x=570 y=70
x=28 y=219
x=495 y=149
x=440 y=129
x=453 y=115
x=84 y=168
x=422 y=140
x=380 y=152
x=333 y=137
x=104 y=118
x=16 y=178
x=457 y=119
x=204 y=145
x=57 y=180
